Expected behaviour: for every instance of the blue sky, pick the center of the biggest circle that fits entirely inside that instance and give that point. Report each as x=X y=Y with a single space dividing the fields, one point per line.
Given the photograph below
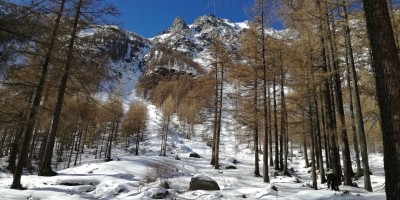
x=149 y=17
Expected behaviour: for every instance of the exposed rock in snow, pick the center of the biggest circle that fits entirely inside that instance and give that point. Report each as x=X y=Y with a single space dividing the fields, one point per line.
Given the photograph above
x=203 y=182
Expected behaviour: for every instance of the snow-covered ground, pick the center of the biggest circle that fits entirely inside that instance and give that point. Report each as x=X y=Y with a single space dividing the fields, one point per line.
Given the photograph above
x=129 y=177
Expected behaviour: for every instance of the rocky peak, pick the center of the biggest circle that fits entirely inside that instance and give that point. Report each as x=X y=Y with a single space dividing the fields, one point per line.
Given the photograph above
x=178 y=25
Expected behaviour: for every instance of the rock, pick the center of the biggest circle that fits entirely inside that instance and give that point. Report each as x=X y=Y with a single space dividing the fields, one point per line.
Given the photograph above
x=231 y=160
x=164 y=184
x=202 y=182
x=296 y=180
x=157 y=193
x=355 y=184
x=194 y=155
x=275 y=174
x=230 y=167
x=179 y=25
x=177 y=157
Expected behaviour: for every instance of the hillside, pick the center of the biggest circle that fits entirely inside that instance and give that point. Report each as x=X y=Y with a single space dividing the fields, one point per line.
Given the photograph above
x=117 y=115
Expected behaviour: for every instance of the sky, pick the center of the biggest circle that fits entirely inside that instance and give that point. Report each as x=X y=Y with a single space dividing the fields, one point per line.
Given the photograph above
x=150 y=17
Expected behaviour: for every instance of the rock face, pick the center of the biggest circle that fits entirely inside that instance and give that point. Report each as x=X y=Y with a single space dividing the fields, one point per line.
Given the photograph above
x=179 y=25
x=202 y=182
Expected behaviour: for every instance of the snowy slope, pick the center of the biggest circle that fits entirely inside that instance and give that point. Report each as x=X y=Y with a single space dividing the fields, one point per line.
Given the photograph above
x=126 y=178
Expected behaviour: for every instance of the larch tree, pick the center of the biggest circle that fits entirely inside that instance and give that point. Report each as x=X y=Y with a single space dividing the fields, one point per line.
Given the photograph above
x=386 y=65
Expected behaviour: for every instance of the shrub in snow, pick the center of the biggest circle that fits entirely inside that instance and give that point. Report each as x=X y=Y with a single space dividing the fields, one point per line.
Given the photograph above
x=194 y=155
x=202 y=182
x=159 y=171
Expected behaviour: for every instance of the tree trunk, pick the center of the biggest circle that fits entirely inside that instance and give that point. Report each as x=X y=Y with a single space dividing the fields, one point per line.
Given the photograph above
x=276 y=162
x=215 y=115
x=16 y=184
x=306 y=162
x=386 y=65
x=328 y=113
x=265 y=96
x=14 y=149
x=256 y=158
x=45 y=168
x=219 y=121
x=318 y=144
x=347 y=170
x=352 y=117
x=312 y=135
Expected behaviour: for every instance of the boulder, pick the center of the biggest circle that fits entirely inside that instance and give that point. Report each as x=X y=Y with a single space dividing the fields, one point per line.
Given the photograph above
x=194 y=155
x=164 y=184
x=202 y=182
x=157 y=193
x=231 y=160
x=355 y=184
x=230 y=167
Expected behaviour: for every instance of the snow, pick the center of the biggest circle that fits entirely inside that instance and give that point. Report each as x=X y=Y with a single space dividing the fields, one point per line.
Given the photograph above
x=124 y=178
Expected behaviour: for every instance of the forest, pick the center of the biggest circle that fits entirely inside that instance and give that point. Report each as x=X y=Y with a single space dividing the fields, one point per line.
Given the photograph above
x=328 y=86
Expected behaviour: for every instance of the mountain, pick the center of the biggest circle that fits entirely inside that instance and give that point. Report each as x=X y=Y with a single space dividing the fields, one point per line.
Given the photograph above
x=196 y=38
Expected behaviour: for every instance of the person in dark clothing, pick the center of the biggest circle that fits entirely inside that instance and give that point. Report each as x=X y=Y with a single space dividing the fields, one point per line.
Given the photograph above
x=332 y=182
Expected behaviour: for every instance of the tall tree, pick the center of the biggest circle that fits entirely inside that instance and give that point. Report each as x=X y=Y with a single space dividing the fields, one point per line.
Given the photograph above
x=45 y=168
x=386 y=65
x=36 y=102
x=356 y=102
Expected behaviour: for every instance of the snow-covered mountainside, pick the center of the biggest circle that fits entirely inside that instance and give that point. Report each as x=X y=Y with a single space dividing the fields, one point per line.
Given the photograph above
x=196 y=38
x=127 y=53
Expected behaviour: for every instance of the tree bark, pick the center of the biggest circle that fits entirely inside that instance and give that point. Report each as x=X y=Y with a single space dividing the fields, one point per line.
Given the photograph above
x=386 y=65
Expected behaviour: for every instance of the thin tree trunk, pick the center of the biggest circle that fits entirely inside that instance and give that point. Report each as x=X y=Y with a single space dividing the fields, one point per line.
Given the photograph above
x=16 y=184
x=312 y=135
x=357 y=104
x=328 y=113
x=265 y=105
x=352 y=117
x=215 y=115
x=347 y=170
x=318 y=143
x=217 y=142
x=271 y=158
x=256 y=158
x=276 y=162
x=45 y=168
x=306 y=162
